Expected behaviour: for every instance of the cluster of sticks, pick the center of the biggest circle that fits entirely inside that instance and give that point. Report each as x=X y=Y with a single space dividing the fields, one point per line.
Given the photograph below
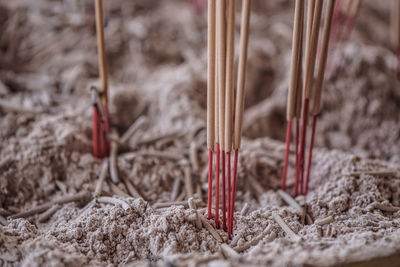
x=221 y=126
x=101 y=123
x=300 y=87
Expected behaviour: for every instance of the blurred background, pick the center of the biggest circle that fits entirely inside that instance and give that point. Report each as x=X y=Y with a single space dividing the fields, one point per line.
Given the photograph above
x=48 y=59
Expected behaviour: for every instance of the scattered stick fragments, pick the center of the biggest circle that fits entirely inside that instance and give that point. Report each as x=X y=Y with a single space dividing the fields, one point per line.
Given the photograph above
x=188 y=181
x=141 y=122
x=289 y=200
x=102 y=178
x=45 y=216
x=113 y=201
x=324 y=221
x=244 y=210
x=193 y=206
x=211 y=229
x=386 y=207
x=114 y=162
x=255 y=240
x=376 y=173
x=285 y=227
x=63 y=200
x=228 y=252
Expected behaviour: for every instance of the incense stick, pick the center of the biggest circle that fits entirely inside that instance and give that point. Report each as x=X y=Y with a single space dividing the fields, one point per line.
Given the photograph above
x=210 y=96
x=319 y=82
x=293 y=86
x=229 y=92
x=239 y=107
x=311 y=44
x=101 y=48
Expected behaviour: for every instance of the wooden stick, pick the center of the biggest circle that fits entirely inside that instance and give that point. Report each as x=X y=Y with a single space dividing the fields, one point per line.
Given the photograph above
x=240 y=95
x=194 y=160
x=324 y=221
x=175 y=188
x=285 y=227
x=160 y=205
x=117 y=191
x=299 y=89
x=323 y=57
x=294 y=69
x=221 y=57
x=41 y=208
x=255 y=240
x=102 y=178
x=211 y=76
x=289 y=200
x=49 y=213
x=131 y=188
x=193 y=206
x=312 y=48
x=153 y=154
x=101 y=48
x=139 y=123
x=229 y=80
x=211 y=229
x=113 y=201
x=373 y=173
x=114 y=162
x=226 y=250
x=244 y=210
x=188 y=181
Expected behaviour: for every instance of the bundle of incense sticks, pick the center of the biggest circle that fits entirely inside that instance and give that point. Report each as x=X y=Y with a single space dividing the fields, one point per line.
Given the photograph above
x=224 y=134
x=298 y=90
x=101 y=123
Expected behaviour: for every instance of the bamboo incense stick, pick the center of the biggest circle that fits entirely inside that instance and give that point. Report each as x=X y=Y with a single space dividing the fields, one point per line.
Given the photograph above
x=311 y=45
x=210 y=97
x=319 y=82
x=221 y=42
x=293 y=86
x=101 y=48
x=229 y=91
x=239 y=107
x=101 y=144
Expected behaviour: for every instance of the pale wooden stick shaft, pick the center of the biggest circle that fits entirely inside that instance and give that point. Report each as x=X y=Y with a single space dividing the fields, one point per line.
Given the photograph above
x=230 y=62
x=239 y=108
x=216 y=100
x=211 y=75
x=312 y=49
x=299 y=90
x=291 y=101
x=323 y=57
x=101 y=49
x=221 y=42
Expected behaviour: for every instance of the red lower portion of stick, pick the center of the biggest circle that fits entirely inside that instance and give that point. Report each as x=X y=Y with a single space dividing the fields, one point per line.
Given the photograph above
x=209 y=203
x=300 y=162
x=235 y=162
x=228 y=177
x=297 y=139
x=314 y=125
x=217 y=189
x=285 y=164
x=96 y=131
x=223 y=191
